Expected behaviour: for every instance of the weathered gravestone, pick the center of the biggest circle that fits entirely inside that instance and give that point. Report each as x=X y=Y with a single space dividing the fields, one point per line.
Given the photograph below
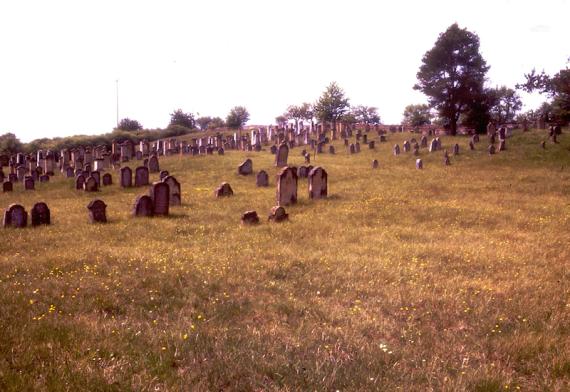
x=371 y=145
x=69 y=173
x=246 y=167
x=396 y=150
x=307 y=158
x=273 y=149
x=331 y=149
x=543 y=145
x=97 y=211
x=40 y=214
x=164 y=174
x=282 y=155
x=224 y=190
x=126 y=177
x=375 y=164
x=446 y=160
x=318 y=183
x=90 y=184
x=15 y=216
x=383 y=139
x=107 y=179
x=278 y=214
x=502 y=145
x=303 y=171
x=471 y=145
x=491 y=149
x=96 y=174
x=143 y=206
x=433 y=145
x=419 y=164
x=475 y=138
x=250 y=218
x=29 y=183
x=141 y=176
x=357 y=147
x=423 y=141
x=44 y=178
x=456 y=149
x=406 y=146
x=262 y=178
x=160 y=194
x=7 y=186
x=153 y=165
x=286 y=187
x=21 y=172
x=221 y=151
x=416 y=149
x=79 y=181
x=175 y=193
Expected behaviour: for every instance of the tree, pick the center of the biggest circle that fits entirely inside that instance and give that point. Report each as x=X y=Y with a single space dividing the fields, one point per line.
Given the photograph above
x=417 y=115
x=216 y=123
x=281 y=120
x=507 y=104
x=237 y=117
x=204 y=122
x=332 y=104
x=478 y=110
x=178 y=117
x=366 y=114
x=126 y=124
x=557 y=87
x=298 y=113
x=10 y=144
x=452 y=74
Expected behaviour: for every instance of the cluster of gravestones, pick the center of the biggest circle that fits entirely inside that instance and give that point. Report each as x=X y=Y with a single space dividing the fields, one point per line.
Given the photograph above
x=17 y=216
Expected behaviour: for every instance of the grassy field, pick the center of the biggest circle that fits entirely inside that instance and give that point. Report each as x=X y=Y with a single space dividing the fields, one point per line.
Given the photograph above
x=445 y=279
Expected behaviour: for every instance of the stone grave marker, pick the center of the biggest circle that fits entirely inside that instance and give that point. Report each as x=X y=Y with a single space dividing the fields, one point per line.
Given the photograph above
x=419 y=164
x=143 y=206
x=164 y=174
x=352 y=148
x=331 y=149
x=278 y=214
x=286 y=187
x=160 y=194
x=375 y=164
x=491 y=149
x=141 y=176
x=262 y=179
x=456 y=149
x=79 y=181
x=423 y=141
x=250 y=218
x=282 y=155
x=175 y=193
x=153 y=165
x=273 y=149
x=97 y=211
x=502 y=145
x=44 y=178
x=224 y=190
x=126 y=177
x=90 y=184
x=471 y=145
x=40 y=214
x=7 y=186
x=29 y=183
x=371 y=145
x=396 y=150
x=15 y=216
x=107 y=179
x=318 y=183
x=406 y=146
x=221 y=151
x=69 y=172
x=245 y=168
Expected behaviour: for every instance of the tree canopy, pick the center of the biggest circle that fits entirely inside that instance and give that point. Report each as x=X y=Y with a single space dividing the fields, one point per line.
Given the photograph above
x=452 y=74
x=366 y=114
x=9 y=143
x=126 y=124
x=416 y=115
x=507 y=103
x=237 y=117
x=179 y=118
x=332 y=104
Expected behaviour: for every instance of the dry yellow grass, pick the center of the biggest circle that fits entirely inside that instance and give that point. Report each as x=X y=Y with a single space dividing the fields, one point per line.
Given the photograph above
x=450 y=278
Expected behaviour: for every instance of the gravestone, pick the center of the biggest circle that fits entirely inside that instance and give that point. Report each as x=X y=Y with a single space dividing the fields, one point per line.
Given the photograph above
x=307 y=158
x=44 y=178
x=352 y=148
x=249 y=218
x=139 y=155
x=126 y=177
x=143 y=206
x=406 y=146
x=282 y=155
x=446 y=160
x=375 y=164
x=40 y=214
x=97 y=176
x=90 y=184
x=221 y=151
x=15 y=216
x=371 y=145
x=383 y=139
x=318 y=183
x=396 y=150
x=69 y=172
x=491 y=149
x=224 y=190
x=21 y=172
x=416 y=149
x=433 y=145
x=423 y=141
x=273 y=149
x=29 y=183
x=79 y=181
x=456 y=149
x=7 y=186
x=331 y=149
x=357 y=147
x=164 y=174
x=278 y=214
x=286 y=187
x=302 y=172
x=160 y=195
x=262 y=179
x=97 y=211
x=346 y=142
x=107 y=179
x=175 y=193
x=245 y=168
x=141 y=176
x=153 y=165
x=419 y=164
x=475 y=138
x=471 y=145
x=502 y=145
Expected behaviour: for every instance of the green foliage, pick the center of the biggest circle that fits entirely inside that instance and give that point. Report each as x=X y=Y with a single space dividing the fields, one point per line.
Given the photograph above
x=452 y=74
x=365 y=114
x=217 y=123
x=282 y=119
x=9 y=143
x=204 y=122
x=178 y=117
x=506 y=105
x=332 y=104
x=237 y=117
x=417 y=115
x=126 y=124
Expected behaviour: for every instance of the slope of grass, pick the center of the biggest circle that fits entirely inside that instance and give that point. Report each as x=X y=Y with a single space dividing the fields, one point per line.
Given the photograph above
x=449 y=278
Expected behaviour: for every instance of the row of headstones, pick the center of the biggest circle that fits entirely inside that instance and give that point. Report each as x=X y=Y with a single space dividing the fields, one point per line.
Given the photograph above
x=17 y=216
x=29 y=183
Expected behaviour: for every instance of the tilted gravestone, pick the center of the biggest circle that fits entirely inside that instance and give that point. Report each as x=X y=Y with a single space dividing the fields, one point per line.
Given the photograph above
x=262 y=179
x=40 y=214
x=143 y=206
x=160 y=194
x=15 y=216
x=286 y=187
x=245 y=168
x=278 y=214
x=141 y=176
x=79 y=181
x=224 y=190
x=318 y=183
x=107 y=179
x=126 y=177
x=153 y=165
x=7 y=186
x=175 y=193
x=90 y=185
x=250 y=218
x=282 y=155
x=97 y=211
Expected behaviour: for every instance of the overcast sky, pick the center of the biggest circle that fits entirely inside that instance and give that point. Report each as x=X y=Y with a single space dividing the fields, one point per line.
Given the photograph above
x=60 y=60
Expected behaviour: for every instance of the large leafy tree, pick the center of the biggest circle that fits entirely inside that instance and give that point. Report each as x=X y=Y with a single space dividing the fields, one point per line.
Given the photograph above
x=126 y=124
x=417 y=115
x=237 y=117
x=9 y=143
x=507 y=104
x=299 y=112
x=179 y=118
x=366 y=114
x=557 y=87
x=332 y=105
x=204 y=122
x=452 y=74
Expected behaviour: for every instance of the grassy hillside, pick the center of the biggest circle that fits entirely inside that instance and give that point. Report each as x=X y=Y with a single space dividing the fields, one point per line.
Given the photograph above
x=449 y=278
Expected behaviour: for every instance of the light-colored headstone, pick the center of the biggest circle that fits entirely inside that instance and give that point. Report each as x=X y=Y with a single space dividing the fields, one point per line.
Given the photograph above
x=286 y=187
x=318 y=183
x=419 y=164
x=282 y=155
x=174 y=190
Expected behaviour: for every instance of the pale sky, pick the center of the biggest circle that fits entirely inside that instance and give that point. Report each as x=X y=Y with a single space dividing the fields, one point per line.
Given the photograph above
x=60 y=59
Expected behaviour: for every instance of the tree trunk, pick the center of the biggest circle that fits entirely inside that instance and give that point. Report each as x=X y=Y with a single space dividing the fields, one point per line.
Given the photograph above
x=453 y=126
